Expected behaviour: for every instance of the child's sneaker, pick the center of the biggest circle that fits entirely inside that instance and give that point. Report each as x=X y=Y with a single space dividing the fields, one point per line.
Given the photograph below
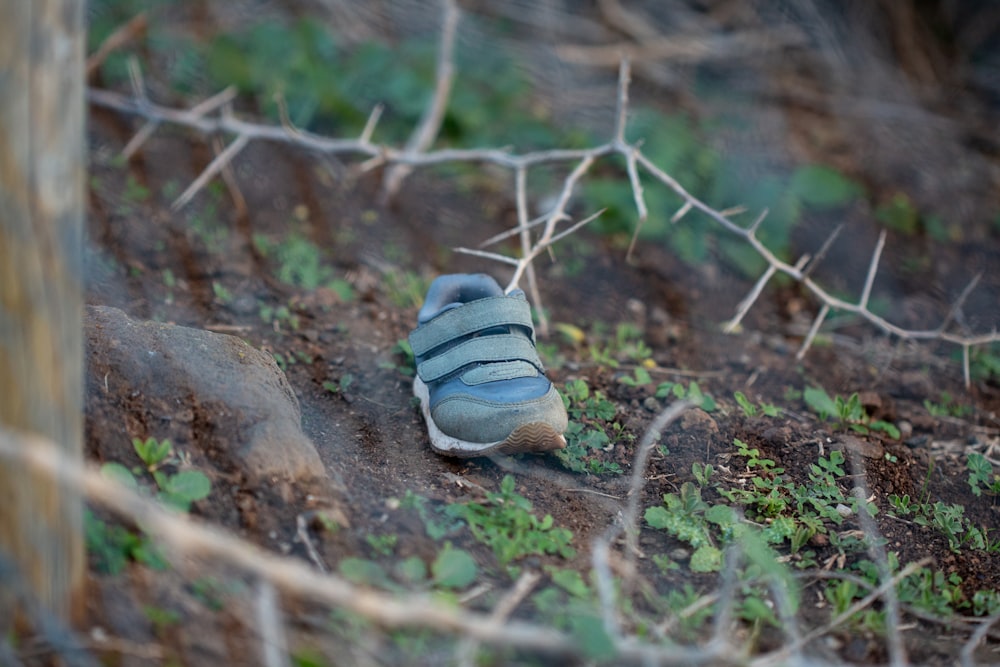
x=481 y=385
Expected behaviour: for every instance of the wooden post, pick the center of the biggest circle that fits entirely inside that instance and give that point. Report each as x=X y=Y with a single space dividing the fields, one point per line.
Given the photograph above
x=42 y=179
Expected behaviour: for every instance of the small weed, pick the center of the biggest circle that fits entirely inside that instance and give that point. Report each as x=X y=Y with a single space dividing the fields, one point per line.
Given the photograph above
x=300 y=263
x=405 y=289
x=403 y=353
x=702 y=473
x=178 y=489
x=947 y=407
x=436 y=529
x=751 y=410
x=506 y=524
x=592 y=429
x=383 y=545
x=110 y=547
x=981 y=475
x=279 y=317
x=340 y=386
x=640 y=378
x=222 y=294
x=162 y=619
x=690 y=519
x=846 y=413
x=947 y=519
x=691 y=393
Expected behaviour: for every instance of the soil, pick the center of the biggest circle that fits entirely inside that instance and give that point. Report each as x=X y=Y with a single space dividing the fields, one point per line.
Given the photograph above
x=200 y=267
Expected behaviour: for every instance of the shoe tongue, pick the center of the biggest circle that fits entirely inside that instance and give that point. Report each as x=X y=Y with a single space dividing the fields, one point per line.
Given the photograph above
x=451 y=291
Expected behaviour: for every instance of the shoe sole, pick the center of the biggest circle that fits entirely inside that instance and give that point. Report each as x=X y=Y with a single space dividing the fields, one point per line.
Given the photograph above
x=534 y=437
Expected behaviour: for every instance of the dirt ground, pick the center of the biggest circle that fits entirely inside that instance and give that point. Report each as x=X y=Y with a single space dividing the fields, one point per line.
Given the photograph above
x=201 y=267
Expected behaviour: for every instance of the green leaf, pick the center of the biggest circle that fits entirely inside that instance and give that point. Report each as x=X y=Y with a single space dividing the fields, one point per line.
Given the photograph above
x=593 y=639
x=720 y=515
x=571 y=582
x=706 y=559
x=820 y=402
x=119 y=473
x=361 y=571
x=657 y=517
x=412 y=570
x=454 y=568
x=191 y=485
x=823 y=187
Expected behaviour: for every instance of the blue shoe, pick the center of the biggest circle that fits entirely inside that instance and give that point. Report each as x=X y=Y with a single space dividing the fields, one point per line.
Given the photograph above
x=481 y=385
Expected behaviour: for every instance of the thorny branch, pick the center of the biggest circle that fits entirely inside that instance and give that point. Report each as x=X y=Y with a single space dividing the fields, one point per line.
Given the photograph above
x=216 y=118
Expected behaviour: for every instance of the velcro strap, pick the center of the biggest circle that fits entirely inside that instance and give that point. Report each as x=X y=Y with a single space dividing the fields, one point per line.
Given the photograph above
x=484 y=349
x=469 y=318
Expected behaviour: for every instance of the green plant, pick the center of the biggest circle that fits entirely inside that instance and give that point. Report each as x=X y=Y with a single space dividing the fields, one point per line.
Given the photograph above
x=948 y=407
x=506 y=524
x=340 y=386
x=847 y=413
x=690 y=519
x=691 y=393
x=178 y=489
x=981 y=475
x=402 y=352
x=405 y=289
x=221 y=293
x=300 y=263
x=751 y=410
x=592 y=429
x=383 y=545
x=111 y=546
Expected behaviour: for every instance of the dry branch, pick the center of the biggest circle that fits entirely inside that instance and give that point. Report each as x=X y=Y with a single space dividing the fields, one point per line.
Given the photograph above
x=187 y=536
x=416 y=154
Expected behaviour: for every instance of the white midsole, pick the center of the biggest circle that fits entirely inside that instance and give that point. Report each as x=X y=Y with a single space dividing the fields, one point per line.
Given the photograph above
x=441 y=441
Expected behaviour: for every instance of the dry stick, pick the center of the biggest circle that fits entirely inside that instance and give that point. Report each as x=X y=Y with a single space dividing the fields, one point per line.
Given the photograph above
x=555 y=215
x=897 y=651
x=521 y=202
x=121 y=36
x=649 y=438
x=192 y=537
x=206 y=106
x=427 y=129
x=214 y=167
x=272 y=629
x=872 y=269
x=781 y=654
x=977 y=636
x=302 y=530
x=825 y=248
x=466 y=652
x=813 y=330
x=377 y=154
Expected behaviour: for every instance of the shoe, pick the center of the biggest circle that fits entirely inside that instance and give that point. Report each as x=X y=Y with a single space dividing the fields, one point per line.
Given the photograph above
x=481 y=385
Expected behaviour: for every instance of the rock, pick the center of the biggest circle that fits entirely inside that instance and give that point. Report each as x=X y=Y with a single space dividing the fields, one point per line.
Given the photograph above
x=205 y=391
x=698 y=419
x=867 y=449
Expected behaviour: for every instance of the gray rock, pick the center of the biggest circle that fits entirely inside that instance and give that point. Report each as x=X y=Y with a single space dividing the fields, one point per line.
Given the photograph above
x=205 y=391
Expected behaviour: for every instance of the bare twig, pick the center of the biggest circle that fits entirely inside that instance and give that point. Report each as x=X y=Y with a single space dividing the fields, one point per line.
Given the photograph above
x=977 y=636
x=466 y=653
x=191 y=538
x=121 y=36
x=427 y=129
x=272 y=628
x=214 y=167
x=779 y=656
x=416 y=154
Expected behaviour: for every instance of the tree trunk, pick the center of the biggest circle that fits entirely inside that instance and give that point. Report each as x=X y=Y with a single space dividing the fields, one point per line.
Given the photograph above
x=42 y=179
